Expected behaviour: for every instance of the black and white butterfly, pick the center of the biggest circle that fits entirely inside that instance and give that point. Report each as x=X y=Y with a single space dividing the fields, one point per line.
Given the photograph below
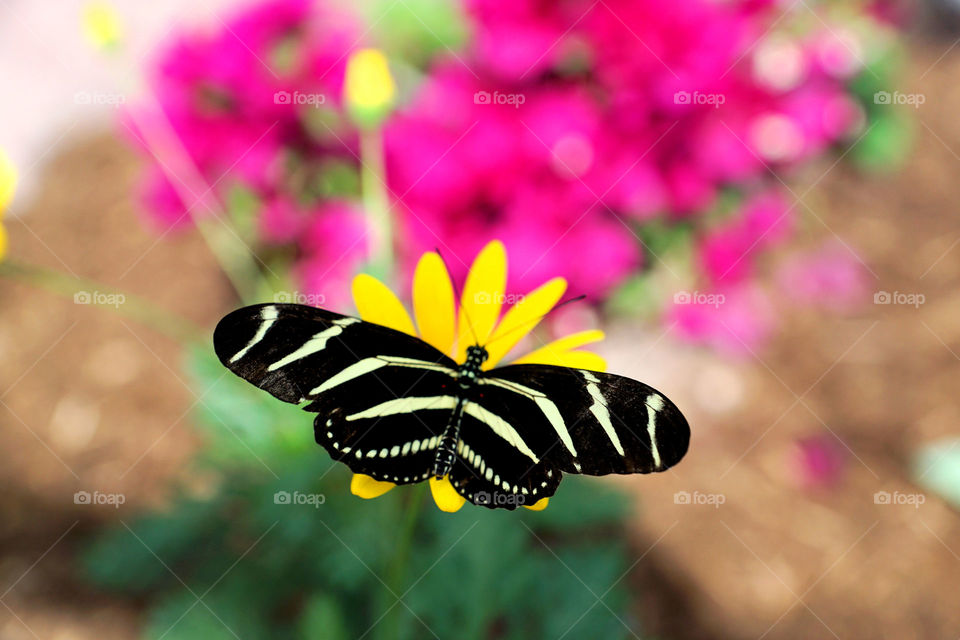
x=393 y=407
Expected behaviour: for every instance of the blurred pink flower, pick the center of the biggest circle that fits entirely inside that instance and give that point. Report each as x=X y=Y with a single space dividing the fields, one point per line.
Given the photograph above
x=736 y=320
x=513 y=172
x=560 y=127
x=817 y=461
x=728 y=253
x=225 y=113
x=334 y=246
x=831 y=277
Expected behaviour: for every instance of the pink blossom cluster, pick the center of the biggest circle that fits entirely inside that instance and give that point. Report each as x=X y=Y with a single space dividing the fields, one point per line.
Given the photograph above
x=562 y=128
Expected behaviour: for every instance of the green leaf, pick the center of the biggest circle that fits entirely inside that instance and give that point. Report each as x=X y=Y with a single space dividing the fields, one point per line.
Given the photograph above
x=416 y=30
x=244 y=424
x=580 y=503
x=323 y=618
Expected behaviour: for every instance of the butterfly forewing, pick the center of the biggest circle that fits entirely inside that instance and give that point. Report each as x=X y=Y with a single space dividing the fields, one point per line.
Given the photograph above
x=588 y=422
x=291 y=350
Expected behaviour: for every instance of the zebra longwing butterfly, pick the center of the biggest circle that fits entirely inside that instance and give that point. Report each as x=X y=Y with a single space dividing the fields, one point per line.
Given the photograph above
x=393 y=407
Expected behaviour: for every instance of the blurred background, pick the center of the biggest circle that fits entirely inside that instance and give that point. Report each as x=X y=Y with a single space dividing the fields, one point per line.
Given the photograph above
x=757 y=198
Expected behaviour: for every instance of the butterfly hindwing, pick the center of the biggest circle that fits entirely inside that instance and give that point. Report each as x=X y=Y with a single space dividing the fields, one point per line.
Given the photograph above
x=492 y=472
x=394 y=435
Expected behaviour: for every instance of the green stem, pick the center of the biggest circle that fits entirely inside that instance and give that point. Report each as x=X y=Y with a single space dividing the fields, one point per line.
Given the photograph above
x=397 y=570
x=376 y=204
x=86 y=291
x=230 y=251
x=234 y=257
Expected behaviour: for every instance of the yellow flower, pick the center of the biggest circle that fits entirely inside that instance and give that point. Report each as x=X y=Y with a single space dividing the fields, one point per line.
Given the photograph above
x=368 y=89
x=8 y=184
x=8 y=180
x=439 y=323
x=101 y=25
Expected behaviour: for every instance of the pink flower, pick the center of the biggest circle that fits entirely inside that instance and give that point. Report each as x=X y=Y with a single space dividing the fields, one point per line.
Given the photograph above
x=282 y=221
x=728 y=253
x=468 y=171
x=831 y=277
x=226 y=103
x=817 y=461
x=334 y=247
x=736 y=320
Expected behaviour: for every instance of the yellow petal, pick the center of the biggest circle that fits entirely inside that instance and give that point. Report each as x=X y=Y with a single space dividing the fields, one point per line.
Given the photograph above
x=522 y=318
x=574 y=359
x=433 y=304
x=367 y=487
x=482 y=298
x=445 y=495
x=550 y=351
x=376 y=303
x=101 y=25
x=3 y=242
x=8 y=180
x=539 y=505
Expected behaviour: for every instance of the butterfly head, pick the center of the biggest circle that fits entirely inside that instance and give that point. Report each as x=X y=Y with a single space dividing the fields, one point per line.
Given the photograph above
x=476 y=356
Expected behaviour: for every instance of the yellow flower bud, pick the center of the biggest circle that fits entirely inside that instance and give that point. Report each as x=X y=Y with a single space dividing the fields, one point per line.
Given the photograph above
x=369 y=90
x=101 y=25
x=8 y=180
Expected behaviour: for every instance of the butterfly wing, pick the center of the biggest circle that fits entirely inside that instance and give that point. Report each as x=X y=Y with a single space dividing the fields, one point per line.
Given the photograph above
x=382 y=397
x=540 y=421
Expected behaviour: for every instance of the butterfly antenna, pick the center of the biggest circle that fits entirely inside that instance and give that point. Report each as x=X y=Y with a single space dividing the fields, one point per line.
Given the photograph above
x=534 y=321
x=456 y=295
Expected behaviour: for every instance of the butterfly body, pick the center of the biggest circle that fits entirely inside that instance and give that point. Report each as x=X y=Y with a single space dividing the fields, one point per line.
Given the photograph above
x=395 y=408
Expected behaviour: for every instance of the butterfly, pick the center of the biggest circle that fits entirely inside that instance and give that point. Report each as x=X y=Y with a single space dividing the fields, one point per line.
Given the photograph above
x=395 y=408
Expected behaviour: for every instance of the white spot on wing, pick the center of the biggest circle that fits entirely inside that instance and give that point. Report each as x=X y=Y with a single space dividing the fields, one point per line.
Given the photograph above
x=654 y=404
